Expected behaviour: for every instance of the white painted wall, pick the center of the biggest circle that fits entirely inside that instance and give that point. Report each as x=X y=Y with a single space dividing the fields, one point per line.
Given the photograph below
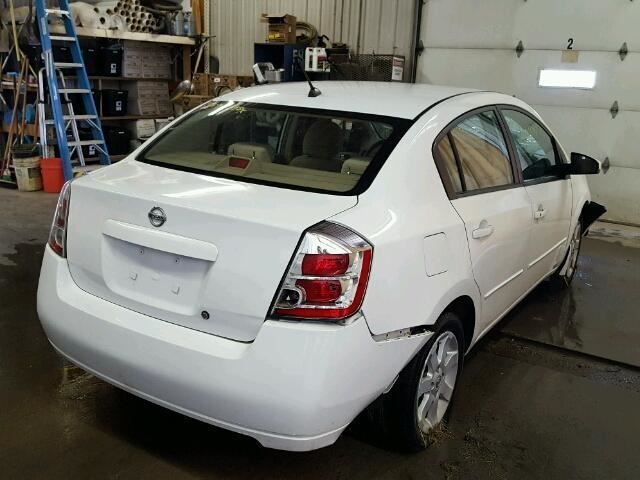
x=367 y=26
x=472 y=43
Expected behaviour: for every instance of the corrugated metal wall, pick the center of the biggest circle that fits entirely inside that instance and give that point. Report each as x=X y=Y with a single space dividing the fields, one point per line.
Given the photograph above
x=367 y=26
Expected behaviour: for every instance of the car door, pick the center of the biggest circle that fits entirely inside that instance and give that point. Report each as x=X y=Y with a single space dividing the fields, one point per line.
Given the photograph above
x=477 y=169
x=551 y=194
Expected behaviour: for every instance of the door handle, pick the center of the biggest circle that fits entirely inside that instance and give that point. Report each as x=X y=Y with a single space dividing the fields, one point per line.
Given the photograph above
x=484 y=230
x=540 y=213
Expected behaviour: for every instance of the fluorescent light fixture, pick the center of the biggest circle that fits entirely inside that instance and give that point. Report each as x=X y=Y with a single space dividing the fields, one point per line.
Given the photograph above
x=567 y=78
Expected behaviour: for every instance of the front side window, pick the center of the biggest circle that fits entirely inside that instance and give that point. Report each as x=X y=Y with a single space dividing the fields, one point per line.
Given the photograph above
x=298 y=148
x=483 y=158
x=534 y=146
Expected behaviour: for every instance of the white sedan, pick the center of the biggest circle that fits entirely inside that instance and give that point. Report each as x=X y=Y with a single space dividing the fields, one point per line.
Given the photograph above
x=273 y=263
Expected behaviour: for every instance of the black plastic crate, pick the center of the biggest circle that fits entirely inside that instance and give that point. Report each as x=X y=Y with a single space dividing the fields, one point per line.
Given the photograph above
x=88 y=151
x=110 y=61
x=90 y=57
x=78 y=104
x=62 y=54
x=117 y=139
x=114 y=102
x=34 y=54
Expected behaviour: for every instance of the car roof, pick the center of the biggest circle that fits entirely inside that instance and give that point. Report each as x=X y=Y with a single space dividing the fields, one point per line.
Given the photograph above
x=402 y=100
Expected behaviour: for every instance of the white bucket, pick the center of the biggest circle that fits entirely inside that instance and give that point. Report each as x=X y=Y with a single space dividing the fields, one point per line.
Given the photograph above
x=28 y=174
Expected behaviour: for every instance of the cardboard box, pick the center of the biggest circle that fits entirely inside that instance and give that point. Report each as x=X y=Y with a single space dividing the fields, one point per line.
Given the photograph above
x=200 y=83
x=132 y=53
x=192 y=101
x=151 y=106
x=164 y=106
x=146 y=61
x=143 y=106
x=162 y=71
x=281 y=28
x=147 y=88
x=212 y=84
x=143 y=128
x=133 y=46
x=279 y=19
x=162 y=122
x=231 y=81
x=152 y=67
x=131 y=65
x=149 y=97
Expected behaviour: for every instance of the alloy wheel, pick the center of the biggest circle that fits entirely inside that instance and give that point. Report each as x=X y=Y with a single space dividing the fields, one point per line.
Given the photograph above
x=437 y=381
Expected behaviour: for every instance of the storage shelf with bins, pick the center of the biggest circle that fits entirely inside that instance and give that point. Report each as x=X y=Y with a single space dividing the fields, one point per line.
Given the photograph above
x=121 y=79
x=132 y=117
x=183 y=45
x=100 y=82
x=120 y=35
x=185 y=42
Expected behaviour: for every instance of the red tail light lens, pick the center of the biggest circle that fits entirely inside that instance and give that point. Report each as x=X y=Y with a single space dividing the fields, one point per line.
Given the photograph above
x=58 y=233
x=320 y=291
x=325 y=264
x=328 y=275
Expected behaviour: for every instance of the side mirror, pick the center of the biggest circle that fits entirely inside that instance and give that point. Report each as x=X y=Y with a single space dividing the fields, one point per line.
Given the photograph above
x=584 y=165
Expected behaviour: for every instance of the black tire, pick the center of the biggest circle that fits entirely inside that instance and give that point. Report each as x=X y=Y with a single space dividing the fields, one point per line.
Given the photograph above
x=562 y=281
x=397 y=410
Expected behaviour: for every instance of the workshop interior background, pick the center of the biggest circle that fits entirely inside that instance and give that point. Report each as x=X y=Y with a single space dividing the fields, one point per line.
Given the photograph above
x=552 y=392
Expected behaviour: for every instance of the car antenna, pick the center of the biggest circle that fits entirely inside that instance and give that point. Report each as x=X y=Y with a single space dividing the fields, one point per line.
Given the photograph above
x=313 y=91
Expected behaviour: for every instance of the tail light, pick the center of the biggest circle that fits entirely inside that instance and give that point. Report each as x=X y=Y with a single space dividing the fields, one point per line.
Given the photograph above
x=328 y=275
x=58 y=233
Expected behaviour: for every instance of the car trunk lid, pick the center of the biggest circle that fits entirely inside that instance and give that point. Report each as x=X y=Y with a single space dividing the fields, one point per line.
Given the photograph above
x=213 y=262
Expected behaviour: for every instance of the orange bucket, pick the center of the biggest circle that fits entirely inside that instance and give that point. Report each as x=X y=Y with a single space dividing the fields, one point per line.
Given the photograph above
x=52 y=175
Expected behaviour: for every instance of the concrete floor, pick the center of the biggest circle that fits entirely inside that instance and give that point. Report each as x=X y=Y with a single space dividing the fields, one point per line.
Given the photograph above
x=539 y=398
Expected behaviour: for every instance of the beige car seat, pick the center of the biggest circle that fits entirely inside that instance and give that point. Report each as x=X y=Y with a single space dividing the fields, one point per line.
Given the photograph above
x=483 y=164
x=320 y=147
x=355 y=165
x=261 y=152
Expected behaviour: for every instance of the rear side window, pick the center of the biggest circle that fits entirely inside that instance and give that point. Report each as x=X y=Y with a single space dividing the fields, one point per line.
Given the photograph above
x=474 y=155
x=482 y=151
x=448 y=161
x=534 y=146
x=307 y=149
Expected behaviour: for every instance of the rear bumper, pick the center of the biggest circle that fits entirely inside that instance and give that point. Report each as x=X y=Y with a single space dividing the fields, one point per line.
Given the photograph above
x=296 y=387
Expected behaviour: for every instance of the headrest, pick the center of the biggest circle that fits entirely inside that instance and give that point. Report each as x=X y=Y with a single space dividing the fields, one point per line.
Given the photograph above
x=355 y=165
x=322 y=140
x=261 y=152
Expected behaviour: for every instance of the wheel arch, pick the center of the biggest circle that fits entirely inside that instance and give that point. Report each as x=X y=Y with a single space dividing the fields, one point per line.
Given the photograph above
x=589 y=213
x=465 y=309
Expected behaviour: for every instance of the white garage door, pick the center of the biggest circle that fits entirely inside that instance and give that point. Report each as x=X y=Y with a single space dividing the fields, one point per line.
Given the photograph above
x=471 y=43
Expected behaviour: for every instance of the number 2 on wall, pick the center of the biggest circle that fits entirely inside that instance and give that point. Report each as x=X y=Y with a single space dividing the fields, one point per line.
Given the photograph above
x=570 y=44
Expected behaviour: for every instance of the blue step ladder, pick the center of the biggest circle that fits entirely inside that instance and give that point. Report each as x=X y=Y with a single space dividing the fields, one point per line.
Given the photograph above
x=64 y=122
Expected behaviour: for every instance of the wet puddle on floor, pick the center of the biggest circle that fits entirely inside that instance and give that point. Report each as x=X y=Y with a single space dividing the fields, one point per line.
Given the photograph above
x=76 y=384
x=596 y=315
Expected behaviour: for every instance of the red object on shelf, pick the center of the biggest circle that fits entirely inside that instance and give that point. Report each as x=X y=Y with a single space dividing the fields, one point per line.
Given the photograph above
x=52 y=175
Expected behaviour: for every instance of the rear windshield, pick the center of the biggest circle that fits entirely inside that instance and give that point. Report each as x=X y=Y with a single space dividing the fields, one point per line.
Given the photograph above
x=298 y=148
